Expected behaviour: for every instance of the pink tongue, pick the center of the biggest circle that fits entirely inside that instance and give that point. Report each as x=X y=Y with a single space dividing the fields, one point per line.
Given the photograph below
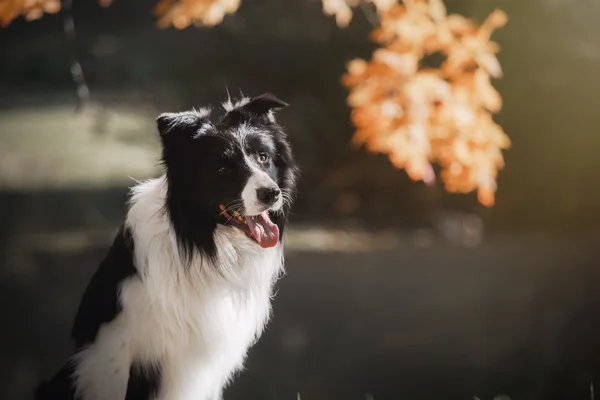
x=264 y=231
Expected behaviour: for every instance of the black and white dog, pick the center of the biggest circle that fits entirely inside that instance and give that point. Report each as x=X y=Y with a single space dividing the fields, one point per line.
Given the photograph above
x=185 y=288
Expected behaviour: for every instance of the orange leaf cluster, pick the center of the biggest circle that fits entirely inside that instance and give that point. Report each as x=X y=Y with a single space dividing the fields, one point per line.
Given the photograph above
x=418 y=116
x=183 y=13
x=30 y=9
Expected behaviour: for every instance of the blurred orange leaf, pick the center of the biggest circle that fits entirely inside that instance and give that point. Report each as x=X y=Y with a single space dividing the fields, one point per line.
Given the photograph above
x=30 y=9
x=183 y=13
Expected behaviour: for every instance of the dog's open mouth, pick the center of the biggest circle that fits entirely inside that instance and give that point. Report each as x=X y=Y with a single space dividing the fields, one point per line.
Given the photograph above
x=259 y=227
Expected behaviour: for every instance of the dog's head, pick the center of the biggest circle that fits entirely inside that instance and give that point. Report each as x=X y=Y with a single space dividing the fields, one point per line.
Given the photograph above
x=238 y=172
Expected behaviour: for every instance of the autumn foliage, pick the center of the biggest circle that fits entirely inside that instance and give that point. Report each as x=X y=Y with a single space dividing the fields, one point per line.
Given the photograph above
x=417 y=115
x=30 y=9
x=183 y=13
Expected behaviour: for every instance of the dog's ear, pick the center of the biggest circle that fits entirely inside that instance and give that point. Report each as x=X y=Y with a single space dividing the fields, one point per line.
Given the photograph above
x=165 y=122
x=192 y=123
x=264 y=104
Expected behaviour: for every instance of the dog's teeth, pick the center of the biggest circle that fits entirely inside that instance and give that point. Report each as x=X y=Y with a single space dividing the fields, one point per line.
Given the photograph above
x=238 y=216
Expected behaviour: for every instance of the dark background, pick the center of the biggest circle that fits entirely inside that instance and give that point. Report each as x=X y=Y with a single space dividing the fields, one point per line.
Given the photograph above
x=393 y=291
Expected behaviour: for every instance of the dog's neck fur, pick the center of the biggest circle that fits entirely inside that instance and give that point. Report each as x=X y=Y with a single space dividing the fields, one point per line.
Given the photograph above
x=151 y=226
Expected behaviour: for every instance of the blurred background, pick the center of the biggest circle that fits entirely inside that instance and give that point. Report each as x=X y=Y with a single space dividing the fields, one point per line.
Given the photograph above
x=394 y=290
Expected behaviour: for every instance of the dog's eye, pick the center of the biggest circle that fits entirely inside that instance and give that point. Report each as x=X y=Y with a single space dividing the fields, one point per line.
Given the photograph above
x=222 y=170
x=263 y=158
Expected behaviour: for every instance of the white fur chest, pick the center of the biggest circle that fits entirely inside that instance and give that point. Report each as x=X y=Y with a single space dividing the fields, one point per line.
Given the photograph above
x=200 y=304
x=199 y=322
x=197 y=327
x=195 y=323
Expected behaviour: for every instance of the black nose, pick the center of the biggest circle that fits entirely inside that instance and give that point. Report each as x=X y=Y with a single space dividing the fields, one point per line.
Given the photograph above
x=268 y=196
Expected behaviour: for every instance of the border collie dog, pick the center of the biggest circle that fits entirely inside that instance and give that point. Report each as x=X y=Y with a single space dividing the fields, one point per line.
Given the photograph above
x=185 y=289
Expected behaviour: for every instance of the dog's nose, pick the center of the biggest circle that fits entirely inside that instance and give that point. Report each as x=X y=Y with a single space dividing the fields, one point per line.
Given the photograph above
x=268 y=195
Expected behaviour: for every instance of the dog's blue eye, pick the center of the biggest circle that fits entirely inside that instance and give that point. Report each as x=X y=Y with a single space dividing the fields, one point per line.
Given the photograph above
x=263 y=158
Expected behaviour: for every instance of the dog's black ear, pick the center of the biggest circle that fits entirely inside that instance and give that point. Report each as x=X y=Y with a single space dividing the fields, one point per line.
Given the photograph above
x=165 y=122
x=264 y=103
x=193 y=122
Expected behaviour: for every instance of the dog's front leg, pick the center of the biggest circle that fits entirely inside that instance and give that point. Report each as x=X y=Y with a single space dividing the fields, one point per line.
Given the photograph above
x=102 y=369
x=101 y=376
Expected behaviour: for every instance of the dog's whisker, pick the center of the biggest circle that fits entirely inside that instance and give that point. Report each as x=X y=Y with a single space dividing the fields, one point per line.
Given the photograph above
x=232 y=206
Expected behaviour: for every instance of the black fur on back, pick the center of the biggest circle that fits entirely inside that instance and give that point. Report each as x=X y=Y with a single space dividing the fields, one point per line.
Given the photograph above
x=99 y=305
